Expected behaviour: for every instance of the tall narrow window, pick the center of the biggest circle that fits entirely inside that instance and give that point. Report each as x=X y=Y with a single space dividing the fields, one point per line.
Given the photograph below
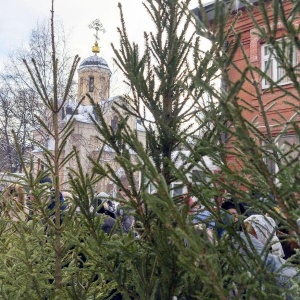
x=91 y=84
x=273 y=59
x=114 y=123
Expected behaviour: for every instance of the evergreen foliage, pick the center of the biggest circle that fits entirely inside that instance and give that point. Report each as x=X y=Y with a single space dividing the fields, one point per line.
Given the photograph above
x=187 y=118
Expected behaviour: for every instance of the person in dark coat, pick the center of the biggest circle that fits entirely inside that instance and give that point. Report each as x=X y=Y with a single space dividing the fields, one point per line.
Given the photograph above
x=103 y=205
x=127 y=220
x=51 y=206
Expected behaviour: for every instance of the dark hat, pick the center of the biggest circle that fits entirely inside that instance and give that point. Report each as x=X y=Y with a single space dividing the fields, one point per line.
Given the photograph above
x=46 y=180
x=231 y=204
x=228 y=205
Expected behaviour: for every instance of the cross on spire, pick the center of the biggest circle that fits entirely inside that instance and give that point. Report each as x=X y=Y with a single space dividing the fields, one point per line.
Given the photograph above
x=98 y=26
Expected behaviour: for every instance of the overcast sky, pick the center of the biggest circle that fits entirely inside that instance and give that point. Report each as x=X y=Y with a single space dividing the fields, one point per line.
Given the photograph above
x=19 y=17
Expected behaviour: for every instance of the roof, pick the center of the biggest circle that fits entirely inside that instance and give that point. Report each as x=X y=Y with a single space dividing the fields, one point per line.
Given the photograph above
x=84 y=112
x=209 y=7
x=94 y=61
x=181 y=158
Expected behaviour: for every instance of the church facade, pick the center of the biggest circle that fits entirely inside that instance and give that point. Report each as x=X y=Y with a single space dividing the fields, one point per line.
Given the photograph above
x=94 y=77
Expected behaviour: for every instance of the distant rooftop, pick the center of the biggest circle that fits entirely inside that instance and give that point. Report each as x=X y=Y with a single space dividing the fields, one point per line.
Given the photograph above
x=209 y=7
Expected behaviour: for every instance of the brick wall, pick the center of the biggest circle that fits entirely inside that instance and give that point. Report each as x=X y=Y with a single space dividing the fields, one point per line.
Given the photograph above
x=278 y=101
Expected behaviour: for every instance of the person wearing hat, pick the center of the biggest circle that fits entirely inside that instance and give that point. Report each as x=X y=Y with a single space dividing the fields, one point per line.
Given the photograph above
x=264 y=229
x=255 y=242
x=229 y=217
x=123 y=213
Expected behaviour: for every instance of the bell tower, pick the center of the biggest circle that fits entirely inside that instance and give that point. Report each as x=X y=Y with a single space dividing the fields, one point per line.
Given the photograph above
x=93 y=72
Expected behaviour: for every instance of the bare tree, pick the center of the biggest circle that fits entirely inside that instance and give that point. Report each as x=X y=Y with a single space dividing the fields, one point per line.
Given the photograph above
x=20 y=102
x=16 y=111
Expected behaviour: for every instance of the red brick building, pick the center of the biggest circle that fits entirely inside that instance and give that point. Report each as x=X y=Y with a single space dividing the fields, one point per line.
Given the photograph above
x=277 y=99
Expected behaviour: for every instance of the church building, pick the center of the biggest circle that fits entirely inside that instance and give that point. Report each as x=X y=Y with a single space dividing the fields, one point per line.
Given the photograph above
x=94 y=77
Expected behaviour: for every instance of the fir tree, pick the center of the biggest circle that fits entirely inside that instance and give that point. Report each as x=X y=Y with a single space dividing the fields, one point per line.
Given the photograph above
x=186 y=118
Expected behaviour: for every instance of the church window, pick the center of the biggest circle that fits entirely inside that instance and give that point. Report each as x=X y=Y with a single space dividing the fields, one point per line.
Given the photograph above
x=114 y=123
x=91 y=84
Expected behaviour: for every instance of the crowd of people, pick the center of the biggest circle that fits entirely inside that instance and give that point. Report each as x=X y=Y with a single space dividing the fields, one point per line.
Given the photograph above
x=254 y=233
x=17 y=205
x=260 y=234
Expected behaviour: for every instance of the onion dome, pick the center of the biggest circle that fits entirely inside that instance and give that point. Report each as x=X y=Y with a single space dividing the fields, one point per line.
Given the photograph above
x=94 y=62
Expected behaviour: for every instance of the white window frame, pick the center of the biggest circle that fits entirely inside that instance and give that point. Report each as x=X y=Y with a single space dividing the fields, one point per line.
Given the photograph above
x=151 y=188
x=268 y=60
x=283 y=140
x=271 y=165
x=177 y=186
